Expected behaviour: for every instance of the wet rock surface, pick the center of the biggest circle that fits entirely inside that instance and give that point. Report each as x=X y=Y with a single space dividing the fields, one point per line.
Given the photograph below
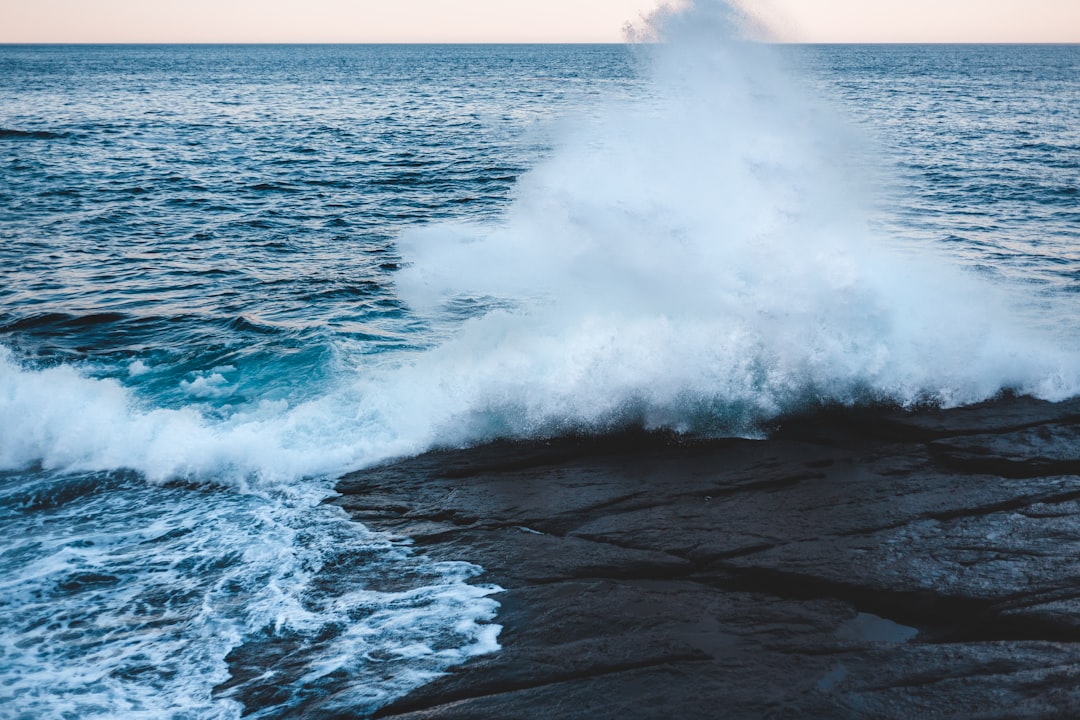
x=855 y=564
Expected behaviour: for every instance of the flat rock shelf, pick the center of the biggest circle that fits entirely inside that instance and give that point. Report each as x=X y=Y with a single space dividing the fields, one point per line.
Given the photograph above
x=857 y=563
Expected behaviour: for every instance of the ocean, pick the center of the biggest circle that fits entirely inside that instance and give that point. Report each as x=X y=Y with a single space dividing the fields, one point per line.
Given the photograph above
x=229 y=274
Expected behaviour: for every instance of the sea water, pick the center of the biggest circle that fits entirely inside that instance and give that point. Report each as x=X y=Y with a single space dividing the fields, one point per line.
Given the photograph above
x=230 y=273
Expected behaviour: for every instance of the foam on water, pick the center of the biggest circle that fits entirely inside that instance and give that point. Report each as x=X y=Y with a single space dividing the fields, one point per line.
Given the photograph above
x=129 y=597
x=64 y=420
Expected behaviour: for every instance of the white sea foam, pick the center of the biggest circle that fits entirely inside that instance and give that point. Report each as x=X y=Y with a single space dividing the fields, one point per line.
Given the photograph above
x=62 y=419
x=127 y=602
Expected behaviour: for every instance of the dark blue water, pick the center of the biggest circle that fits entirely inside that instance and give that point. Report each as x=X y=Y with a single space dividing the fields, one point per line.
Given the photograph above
x=985 y=144
x=228 y=274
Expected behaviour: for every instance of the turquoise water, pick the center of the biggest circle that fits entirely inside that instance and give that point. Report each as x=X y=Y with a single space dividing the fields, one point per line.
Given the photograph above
x=230 y=273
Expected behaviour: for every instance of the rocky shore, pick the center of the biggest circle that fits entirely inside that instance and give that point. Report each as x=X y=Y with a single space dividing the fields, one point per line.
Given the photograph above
x=856 y=564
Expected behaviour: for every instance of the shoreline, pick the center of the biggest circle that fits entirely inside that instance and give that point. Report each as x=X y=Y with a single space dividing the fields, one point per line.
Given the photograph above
x=857 y=563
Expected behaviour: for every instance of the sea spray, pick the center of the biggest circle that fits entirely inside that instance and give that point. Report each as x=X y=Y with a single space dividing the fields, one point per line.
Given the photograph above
x=700 y=259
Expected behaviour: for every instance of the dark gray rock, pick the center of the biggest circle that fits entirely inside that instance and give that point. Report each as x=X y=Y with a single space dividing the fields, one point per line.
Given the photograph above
x=860 y=563
x=1049 y=449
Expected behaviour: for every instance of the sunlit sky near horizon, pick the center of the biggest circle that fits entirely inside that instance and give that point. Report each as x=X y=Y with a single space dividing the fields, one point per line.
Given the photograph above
x=518 y=21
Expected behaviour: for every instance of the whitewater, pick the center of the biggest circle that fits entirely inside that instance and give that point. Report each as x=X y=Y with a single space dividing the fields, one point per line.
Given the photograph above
x=232 y=274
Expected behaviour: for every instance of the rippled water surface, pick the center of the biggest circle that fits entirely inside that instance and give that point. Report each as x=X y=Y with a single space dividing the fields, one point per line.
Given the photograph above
x=203 y=206
x=986 y=139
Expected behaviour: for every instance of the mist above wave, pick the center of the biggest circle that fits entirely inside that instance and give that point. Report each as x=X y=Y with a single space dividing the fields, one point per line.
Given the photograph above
x=701 y=259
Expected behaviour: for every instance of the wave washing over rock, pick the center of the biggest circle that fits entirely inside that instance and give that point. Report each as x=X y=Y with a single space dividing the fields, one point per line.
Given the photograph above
x=699 y=260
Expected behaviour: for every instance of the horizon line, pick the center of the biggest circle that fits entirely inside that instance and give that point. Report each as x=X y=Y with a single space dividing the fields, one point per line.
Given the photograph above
x=270 y=43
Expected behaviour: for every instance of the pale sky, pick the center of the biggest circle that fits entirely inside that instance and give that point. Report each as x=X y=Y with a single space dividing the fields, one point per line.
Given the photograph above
x=518 y=20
